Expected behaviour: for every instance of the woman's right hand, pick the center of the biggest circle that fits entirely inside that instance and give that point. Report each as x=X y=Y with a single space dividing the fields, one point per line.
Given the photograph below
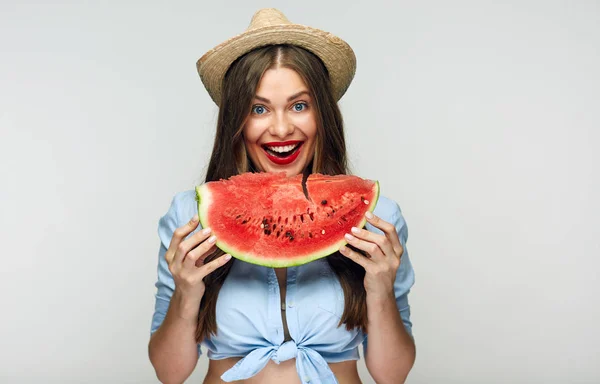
x=186 y=259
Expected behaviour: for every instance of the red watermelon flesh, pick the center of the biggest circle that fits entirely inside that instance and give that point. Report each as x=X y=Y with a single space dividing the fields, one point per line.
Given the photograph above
x=268 y=219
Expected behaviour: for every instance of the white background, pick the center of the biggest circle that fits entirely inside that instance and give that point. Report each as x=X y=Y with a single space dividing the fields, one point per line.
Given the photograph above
x=481 y=119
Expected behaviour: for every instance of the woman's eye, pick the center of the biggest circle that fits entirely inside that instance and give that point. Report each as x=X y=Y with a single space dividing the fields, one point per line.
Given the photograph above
x=258 y=109
x=299 y=107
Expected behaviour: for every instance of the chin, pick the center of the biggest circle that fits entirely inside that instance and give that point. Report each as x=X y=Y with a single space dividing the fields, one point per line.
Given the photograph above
x=264 y=164
x=291 y=170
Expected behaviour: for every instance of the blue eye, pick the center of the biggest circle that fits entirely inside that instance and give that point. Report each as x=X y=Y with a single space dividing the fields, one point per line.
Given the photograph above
x=299 y=107
x=258 y=109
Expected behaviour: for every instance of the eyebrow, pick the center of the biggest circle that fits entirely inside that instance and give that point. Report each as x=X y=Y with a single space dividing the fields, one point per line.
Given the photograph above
x=265 y=100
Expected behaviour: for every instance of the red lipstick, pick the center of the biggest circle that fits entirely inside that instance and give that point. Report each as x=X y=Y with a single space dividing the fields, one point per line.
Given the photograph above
x=282 y=160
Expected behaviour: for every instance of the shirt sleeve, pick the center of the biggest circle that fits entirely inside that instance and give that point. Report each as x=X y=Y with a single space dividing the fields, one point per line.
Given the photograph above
x=165 y=283
x=405 y=276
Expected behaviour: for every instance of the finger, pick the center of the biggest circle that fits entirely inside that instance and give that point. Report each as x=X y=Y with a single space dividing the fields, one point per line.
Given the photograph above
x=200 y=260
x=371 y=248
x=381 y=240
x=208 y=268
x=192 y=256
x=388 y=229
x=178 y=235
x=190 y=243
x=355 y=256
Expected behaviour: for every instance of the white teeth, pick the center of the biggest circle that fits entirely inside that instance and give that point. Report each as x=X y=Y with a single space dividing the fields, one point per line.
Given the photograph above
x=286 y=148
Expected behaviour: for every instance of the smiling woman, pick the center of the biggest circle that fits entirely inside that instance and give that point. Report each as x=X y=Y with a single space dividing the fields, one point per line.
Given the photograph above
x=280 y=133
x=277 y=87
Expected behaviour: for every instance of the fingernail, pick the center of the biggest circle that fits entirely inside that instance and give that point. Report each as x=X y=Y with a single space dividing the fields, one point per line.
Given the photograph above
x=195 y=218
x=206 y=231
x=227 y=257
x=369 y=215
x=355 y=230
x=349 y=237
x=212 y=239
x=343 y=249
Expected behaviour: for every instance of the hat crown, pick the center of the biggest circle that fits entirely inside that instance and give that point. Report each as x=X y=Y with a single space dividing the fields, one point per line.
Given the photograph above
x=267 y=17
x=269 y=26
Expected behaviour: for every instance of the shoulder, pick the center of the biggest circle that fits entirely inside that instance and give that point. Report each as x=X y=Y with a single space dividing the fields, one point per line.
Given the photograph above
x=390 y=211
x=387 y=209
x=186 y=201
x=183 y=207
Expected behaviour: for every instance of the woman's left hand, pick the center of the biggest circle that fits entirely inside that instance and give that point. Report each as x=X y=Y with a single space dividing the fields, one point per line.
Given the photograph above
x=383 y=251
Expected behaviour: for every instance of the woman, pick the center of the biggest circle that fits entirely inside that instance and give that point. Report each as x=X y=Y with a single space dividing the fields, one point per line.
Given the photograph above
x=277 y=87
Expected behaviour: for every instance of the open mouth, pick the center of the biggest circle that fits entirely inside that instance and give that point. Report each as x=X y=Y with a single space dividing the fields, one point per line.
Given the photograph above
x=282 y=153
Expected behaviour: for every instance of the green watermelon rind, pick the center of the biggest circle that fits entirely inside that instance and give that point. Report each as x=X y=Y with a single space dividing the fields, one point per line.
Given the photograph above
x=203 y=194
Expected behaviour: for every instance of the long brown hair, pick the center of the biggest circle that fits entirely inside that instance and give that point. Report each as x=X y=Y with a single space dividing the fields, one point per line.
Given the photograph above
x=229 y=158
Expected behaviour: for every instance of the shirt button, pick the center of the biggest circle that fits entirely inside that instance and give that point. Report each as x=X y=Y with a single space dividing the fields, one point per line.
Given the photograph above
x=291 y=304
x=306 y=379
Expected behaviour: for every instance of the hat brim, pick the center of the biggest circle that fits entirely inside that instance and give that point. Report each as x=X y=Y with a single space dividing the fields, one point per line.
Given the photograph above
x=336 y=54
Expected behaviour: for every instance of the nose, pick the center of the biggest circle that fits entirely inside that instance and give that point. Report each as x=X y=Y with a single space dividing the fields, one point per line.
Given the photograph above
x=282 y=126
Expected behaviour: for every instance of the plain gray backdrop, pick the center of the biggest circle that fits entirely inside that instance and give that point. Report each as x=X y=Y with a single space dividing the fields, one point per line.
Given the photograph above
x=480 y=118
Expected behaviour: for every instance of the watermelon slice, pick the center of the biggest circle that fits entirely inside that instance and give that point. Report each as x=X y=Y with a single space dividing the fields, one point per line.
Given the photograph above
x=278 y=221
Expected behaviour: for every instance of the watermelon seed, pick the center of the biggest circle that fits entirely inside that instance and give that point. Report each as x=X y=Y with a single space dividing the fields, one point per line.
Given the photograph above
x=265 y=221
x=286 y=220
x=322 y=232
x=289 y=234
x=278 y=233
x=262 y=226
x=344 y=218
x=312 y=217
x=362 y=198
x=324 y=202
x=267 y=232
x=366 y=202
x=340 y=223
x=279 y=220
x=310 y=234
x=302 y=218
x=244 y=221
x=274 y=226
x=238 y=216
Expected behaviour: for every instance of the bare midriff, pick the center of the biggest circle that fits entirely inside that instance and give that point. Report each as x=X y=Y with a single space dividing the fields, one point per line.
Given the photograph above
x=285 y=372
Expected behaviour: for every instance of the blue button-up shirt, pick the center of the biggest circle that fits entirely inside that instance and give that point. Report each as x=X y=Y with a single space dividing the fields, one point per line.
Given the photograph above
x=249 y=322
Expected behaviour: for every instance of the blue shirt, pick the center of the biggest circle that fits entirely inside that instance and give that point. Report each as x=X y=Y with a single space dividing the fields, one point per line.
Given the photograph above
x=248 y=311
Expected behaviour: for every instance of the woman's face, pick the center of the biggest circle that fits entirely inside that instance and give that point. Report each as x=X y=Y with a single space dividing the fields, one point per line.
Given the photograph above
x=280 y=132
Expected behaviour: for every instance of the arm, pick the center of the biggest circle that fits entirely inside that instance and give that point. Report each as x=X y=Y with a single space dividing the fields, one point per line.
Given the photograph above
x=172 y=349
x=390 y=352
x=390 y=349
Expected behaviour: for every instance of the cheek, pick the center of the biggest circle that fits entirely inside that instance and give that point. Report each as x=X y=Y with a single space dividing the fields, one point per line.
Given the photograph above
x=307 y=124
x=251 y=133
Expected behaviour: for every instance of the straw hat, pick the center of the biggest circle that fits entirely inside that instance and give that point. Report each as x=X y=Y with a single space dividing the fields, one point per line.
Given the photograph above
x=269 y=27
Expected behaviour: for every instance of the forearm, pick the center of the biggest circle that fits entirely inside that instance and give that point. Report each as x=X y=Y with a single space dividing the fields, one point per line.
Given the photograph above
x=390 y=351
x=173 y=349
